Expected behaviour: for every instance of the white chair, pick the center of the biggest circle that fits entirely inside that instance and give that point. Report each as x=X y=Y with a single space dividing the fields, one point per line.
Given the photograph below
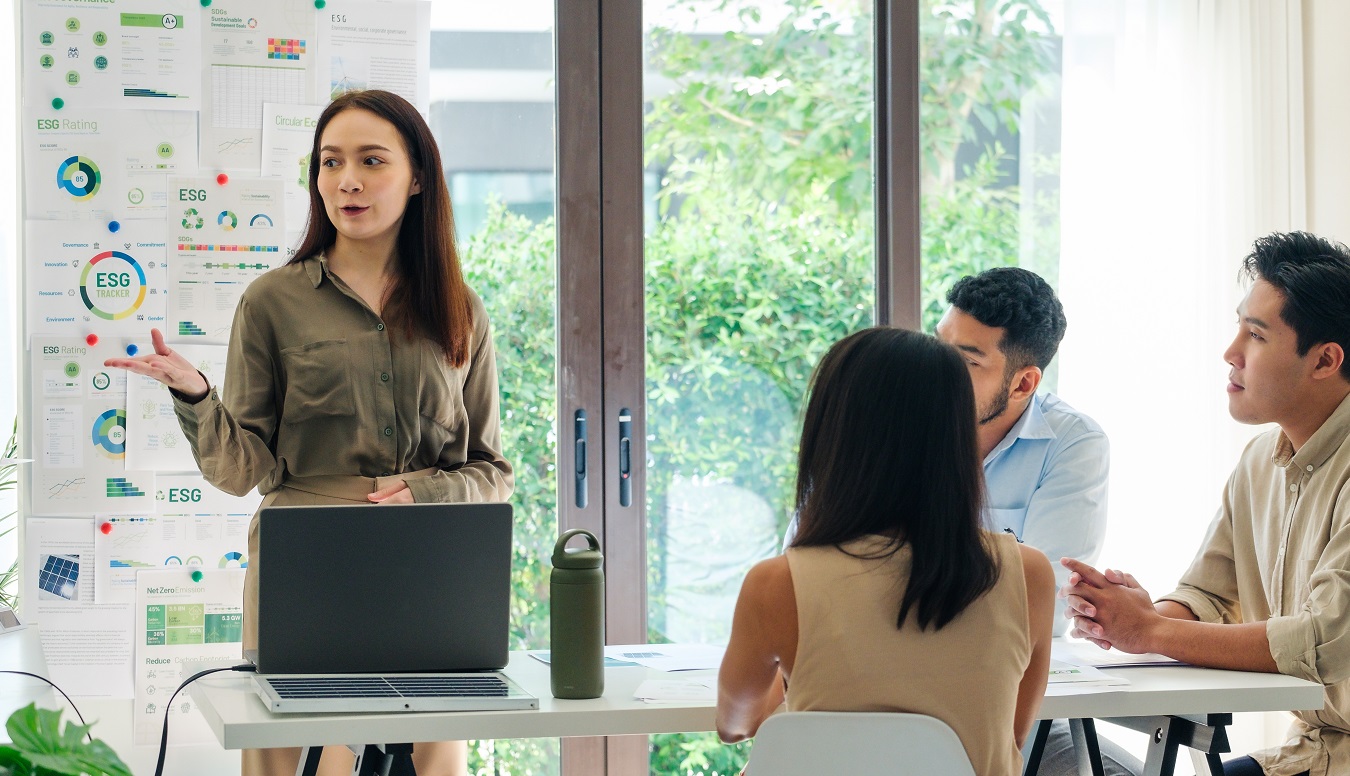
x=857 y=743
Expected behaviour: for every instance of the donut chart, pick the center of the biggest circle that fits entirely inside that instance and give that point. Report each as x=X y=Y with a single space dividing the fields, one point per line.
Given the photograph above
x=79 y=177
x=233 y=560
x=113 y=285
x=110 y=433
x=227 y=220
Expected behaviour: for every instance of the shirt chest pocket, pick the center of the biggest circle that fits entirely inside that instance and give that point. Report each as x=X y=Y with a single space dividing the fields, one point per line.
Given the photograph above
x=318 y=381
x=1001 y=520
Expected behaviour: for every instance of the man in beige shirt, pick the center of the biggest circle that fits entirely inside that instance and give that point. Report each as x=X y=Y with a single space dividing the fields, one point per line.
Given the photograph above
x=1270 y=588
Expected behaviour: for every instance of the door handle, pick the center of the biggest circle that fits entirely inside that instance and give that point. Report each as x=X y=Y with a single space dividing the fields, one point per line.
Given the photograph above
x=625 y=457
x=579 y=461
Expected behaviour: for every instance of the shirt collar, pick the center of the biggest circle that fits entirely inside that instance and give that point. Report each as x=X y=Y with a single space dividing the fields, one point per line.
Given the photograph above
x=1326 y=440
x=315 y=269
x=1032 y=425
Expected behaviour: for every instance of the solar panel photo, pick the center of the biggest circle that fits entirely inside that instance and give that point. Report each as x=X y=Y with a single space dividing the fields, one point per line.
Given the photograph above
x=60 y=576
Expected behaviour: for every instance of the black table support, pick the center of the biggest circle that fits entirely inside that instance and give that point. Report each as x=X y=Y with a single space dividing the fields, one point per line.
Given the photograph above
x=1206 y=734
x=371 y=760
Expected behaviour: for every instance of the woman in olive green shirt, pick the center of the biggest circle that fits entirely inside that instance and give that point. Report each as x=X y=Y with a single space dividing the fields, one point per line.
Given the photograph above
x=361 y=371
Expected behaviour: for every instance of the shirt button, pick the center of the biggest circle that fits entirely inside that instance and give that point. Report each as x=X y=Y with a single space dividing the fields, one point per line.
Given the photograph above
x=384 y=377
x=379 y=327
x=1293 y=487
x=1310 y=468
x=385 y=474
x=388 y=431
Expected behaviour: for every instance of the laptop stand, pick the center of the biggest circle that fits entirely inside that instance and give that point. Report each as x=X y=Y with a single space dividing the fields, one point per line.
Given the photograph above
x=372 y=760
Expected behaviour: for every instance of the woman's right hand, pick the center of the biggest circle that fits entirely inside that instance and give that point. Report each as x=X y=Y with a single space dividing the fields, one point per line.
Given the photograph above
x=167 y=367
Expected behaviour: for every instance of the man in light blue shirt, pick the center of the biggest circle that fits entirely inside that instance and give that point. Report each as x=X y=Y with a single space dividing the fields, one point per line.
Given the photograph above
x=1045 y=463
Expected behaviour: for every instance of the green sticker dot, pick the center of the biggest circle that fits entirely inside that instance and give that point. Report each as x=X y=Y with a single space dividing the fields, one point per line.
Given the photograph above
x=196 y=576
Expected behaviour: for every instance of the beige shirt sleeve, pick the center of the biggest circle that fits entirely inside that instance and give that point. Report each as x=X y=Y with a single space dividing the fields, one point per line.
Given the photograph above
x=233 y=445
x=1313 y=641
x=1209 y=587
x=485 y=476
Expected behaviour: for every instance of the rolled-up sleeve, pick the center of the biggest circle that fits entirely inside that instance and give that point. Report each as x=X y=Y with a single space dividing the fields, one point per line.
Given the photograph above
x=1314 y=642
x=232 y=439
x=1209 y=587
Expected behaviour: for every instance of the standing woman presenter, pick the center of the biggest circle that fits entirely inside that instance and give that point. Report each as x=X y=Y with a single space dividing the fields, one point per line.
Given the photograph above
x=362 y=371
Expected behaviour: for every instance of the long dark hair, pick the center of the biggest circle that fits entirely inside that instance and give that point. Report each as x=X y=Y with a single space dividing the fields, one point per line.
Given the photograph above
x=889 y=448
x=428 y=294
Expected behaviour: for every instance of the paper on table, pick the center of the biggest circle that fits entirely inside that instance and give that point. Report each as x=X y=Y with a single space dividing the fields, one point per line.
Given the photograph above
x=546 y=657
x=672 y=691
x=1071 y=688
x=1084 y=653
x=1068 y=673
x=669 y=657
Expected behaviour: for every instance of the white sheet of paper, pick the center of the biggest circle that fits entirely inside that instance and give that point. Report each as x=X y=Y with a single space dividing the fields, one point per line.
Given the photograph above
x=134 y=543
x=79 y=425
x=182 y=627
x=1085 y=653
x=87 y=646
x=137 y=54
x=83 y=279
x=376 y=44
x=672 y=691
x=105 y=164
x=222 y=238
x=258 y=51
x=154 y=438
x=669 y=657
x=287 y=140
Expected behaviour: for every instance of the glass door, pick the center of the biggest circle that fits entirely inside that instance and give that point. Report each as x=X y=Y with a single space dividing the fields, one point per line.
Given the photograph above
x=759 y=254
x=492 y=111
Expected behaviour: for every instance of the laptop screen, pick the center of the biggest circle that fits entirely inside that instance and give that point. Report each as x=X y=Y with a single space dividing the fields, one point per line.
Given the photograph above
x=383 y=588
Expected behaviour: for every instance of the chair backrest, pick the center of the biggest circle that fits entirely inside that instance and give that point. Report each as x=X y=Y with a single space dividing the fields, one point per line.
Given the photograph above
x=828 y=742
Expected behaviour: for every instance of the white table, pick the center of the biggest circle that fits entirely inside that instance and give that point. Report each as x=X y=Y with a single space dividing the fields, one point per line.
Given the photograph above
x=21 y=650
x=241 y=721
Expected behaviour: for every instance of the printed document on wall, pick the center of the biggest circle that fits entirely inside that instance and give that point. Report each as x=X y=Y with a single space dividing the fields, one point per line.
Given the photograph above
x=83 y=279
x=137 y=54
x=105 y=164
x=376 y=44
x=182 y=626
x=259 y=51
x=222 y=237
x=127 y=544
x=288 y=137
x=154 y=438
x=87 y=646
x=79 y=426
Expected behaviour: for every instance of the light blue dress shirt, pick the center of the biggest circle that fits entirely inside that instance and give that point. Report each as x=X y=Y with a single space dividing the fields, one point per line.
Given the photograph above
x=1046 y=481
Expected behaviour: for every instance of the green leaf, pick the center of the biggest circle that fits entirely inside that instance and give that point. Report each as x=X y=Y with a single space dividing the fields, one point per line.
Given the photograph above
x=39 y=743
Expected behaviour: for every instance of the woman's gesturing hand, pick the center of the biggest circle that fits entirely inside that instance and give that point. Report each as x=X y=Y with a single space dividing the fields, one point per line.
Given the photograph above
x=167 y=367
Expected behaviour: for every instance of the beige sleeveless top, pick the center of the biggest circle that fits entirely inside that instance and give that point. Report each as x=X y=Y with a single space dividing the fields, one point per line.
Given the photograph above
x=851 y=657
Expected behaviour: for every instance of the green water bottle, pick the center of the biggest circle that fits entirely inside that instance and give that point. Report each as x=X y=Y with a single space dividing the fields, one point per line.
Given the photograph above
x=577 y=618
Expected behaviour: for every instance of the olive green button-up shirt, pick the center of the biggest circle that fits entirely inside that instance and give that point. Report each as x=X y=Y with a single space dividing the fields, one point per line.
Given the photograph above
x=316 y=384
x=1279 y=552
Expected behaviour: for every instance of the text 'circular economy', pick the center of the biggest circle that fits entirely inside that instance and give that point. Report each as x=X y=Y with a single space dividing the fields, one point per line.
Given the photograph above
x=79 y=177
x=110 y=433
x=112 y=285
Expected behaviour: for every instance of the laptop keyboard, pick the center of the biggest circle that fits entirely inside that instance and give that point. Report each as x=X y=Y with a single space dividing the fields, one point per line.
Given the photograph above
x=389 y=687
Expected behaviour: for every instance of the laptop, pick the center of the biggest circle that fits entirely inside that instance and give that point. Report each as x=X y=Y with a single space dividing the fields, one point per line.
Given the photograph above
x=399 y=607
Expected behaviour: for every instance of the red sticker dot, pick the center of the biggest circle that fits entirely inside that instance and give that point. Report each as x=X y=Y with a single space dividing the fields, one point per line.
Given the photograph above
x=91 y=340
x=106 y=528
x=222 y=179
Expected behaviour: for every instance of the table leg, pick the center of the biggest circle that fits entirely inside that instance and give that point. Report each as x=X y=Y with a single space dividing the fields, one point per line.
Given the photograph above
x=309 y=761
x=1084 y=733
x=1033 y=764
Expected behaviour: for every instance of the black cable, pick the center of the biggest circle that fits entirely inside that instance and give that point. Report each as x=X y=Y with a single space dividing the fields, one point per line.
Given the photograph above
x=63 y=695
x=164 y=737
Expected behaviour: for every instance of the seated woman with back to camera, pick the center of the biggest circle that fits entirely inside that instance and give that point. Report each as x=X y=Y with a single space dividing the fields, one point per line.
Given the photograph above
x=892 y=597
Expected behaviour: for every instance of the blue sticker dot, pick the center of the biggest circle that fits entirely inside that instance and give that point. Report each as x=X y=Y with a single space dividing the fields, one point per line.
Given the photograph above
x=131 y=350
x=113 y=226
